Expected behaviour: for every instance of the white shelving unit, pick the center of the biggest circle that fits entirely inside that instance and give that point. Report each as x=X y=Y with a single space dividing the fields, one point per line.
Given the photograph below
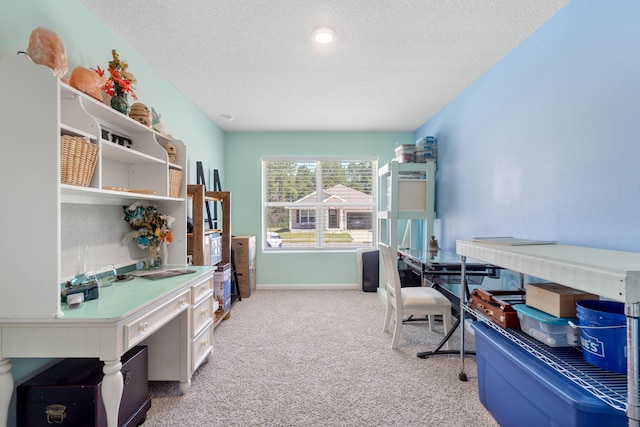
x=37 y=109
x=405 y=199
x=174 y=316
x=611 y=274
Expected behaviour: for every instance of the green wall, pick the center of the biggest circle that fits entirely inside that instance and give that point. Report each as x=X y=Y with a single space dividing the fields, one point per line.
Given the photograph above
x=244 y=169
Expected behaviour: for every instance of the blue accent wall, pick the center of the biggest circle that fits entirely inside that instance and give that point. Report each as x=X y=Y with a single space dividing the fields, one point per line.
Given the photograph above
x=546 y=145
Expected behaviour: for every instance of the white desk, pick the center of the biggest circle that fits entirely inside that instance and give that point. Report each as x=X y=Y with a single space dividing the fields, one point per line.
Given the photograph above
x=123 y=316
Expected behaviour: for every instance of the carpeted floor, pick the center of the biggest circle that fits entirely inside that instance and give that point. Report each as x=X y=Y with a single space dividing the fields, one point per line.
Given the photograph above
x=320 y=358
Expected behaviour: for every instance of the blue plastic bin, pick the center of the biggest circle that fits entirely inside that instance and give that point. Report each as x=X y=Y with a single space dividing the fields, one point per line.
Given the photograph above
x=519 y=390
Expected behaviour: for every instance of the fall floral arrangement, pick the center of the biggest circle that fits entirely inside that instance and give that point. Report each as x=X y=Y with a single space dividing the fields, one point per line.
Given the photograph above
x=151 y=231
x=119 y=83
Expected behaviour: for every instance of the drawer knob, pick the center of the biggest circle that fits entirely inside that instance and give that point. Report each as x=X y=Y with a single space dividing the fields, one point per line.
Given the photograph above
x=205 y=311
x=143 y=326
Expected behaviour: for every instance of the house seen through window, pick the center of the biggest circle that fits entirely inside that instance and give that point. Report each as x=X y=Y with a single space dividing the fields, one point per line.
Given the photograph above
x=318 y=203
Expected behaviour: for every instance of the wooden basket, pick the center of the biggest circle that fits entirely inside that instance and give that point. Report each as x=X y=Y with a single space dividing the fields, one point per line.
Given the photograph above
x=78 y=160
x=175 y=181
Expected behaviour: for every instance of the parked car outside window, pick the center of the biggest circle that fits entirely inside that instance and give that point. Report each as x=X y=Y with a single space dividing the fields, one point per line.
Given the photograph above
x=273 y=240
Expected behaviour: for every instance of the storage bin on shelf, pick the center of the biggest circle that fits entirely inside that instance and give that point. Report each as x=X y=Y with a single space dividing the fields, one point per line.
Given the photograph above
x=175 y=181
x=550 y=330
x=405 y=153
x=78 y=160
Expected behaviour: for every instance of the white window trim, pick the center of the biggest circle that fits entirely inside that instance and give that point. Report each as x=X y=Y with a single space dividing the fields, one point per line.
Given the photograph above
x=318 y=205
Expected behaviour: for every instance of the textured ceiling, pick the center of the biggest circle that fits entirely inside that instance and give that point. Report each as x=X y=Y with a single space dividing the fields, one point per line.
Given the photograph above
x=393 y=65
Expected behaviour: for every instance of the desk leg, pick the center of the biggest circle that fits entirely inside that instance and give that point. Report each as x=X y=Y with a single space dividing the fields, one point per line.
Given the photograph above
x=632 y=311
x=112 y=386
x=6 y=390
x=462 y=376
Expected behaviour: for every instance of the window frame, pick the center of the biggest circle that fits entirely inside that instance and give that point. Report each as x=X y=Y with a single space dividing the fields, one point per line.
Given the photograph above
x=321 y=208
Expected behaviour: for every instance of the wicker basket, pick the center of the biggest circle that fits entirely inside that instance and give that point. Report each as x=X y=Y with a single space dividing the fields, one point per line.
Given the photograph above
x=78 y=160
x=175 y=181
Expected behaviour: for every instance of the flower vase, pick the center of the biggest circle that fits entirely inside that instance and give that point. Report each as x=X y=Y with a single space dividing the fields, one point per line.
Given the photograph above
x=120 y=103
x=154 y=259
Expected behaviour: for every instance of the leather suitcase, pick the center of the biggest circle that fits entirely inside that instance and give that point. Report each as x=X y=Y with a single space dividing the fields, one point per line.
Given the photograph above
x=498 y=305
x=68 y=394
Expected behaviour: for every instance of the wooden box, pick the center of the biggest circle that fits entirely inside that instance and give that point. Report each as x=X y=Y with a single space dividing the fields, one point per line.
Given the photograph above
x=68 y=394
x=554 y=299
x=498 y=305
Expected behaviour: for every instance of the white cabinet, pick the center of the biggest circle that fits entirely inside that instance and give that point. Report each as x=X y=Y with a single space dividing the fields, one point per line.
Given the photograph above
x=37 y=109
x=202 y=314
x=406 y=192
x=611 y=274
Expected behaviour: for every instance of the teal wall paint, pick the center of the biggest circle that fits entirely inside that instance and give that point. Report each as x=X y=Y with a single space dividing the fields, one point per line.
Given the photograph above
x=546 y=144
x=244 y=173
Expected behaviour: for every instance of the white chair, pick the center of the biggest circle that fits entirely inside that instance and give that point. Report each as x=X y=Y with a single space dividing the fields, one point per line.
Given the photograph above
x=410 y=301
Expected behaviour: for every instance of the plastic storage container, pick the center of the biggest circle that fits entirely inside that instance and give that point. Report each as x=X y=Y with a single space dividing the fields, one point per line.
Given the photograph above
x=426 y=149
x=550 y=330
x=520 y=390
x=406 y=153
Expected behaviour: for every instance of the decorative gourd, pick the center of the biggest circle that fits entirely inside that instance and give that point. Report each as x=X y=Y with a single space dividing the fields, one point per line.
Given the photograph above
x=87 y=81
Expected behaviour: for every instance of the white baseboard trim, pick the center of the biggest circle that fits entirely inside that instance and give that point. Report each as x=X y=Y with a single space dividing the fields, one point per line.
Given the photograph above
x=310 y=286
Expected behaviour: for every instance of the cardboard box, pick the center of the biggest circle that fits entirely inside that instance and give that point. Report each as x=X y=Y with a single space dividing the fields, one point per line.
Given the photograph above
x=246 y=280
x=244 y=250
x=554 y=299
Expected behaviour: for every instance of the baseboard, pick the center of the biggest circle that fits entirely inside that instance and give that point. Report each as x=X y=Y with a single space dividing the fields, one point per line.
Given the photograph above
x=309 y=286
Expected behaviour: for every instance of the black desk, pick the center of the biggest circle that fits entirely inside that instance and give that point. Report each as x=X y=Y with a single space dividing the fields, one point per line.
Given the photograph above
x=443 y=272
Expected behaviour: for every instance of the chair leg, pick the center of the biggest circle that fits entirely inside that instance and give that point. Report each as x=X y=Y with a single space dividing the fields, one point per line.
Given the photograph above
x=387 y=318
x=432 y=319
x=397 y=331
x=446 y=325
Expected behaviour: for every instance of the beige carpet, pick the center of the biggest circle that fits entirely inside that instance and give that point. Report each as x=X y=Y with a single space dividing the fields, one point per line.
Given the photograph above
x=320 y=358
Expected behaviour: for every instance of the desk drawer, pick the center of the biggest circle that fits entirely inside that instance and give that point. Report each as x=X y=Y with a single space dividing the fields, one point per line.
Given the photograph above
x=202 y=345
x=201 y=314
x=147 y=324
x=202 y=290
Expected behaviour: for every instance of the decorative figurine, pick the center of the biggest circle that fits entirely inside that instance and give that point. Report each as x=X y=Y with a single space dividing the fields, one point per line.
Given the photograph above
x=156 y=124
x=433 y=248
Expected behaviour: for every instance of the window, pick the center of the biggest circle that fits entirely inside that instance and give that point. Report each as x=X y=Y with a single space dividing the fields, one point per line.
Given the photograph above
x=324 y=203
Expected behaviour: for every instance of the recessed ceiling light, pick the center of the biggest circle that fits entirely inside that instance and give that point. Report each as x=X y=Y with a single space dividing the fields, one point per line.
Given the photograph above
x=227 y=117
x=323 y=35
